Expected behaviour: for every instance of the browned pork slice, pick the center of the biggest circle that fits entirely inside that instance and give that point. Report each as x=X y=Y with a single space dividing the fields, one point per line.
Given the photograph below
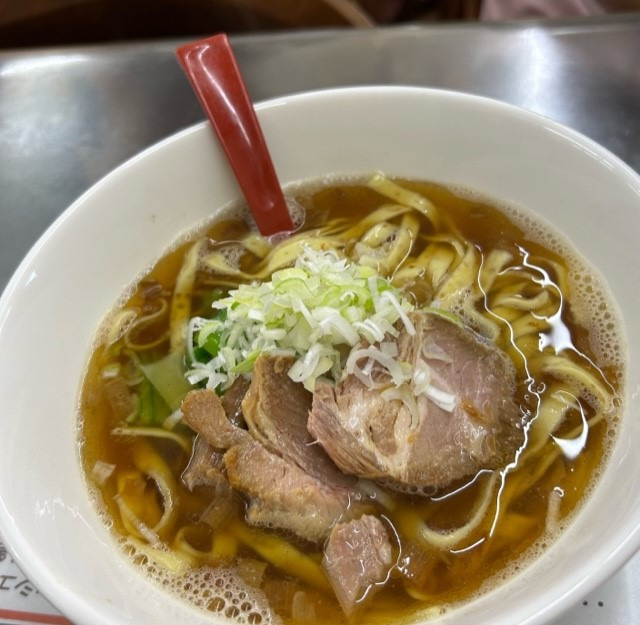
x=232 y=401
x=464 y=419
x=203 y=412
x=206 y=476
x=281 y=495
x=205 y=467
x=276 y=410
x=358 y=556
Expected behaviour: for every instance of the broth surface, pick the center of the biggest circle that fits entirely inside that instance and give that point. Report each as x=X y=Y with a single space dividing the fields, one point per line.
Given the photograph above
x=571 y=318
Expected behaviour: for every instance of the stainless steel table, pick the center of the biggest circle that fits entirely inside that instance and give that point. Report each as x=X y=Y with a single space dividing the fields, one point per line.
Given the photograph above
x=68 y=116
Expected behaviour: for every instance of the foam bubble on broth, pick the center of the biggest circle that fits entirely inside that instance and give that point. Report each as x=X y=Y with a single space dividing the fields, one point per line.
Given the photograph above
x=221 y=591
x=297 y=213
x=232 y=255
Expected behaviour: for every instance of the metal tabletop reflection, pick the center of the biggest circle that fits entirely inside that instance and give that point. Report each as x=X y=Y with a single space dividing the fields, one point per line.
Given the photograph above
x=68 y=116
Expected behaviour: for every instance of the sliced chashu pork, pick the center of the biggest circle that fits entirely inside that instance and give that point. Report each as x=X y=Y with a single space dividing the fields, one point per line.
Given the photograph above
x=281 y=494
x=232 y=401
x=276 y=410
x=206 y=476
x=357 y=558
x=205 y=467
x=204 y=413
x=373 y=437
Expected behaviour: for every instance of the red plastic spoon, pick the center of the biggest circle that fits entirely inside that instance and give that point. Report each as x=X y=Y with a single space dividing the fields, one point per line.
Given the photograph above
x=214 y=75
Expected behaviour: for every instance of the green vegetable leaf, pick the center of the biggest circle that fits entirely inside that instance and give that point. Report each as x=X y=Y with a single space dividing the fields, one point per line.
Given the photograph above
x=167 y=376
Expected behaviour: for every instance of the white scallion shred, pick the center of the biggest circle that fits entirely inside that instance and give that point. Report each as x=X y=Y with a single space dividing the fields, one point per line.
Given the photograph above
x=408 y=398
x=399 y=373
x=443 y=399
x=390 y=297
x=313 y=311
x=421 y=377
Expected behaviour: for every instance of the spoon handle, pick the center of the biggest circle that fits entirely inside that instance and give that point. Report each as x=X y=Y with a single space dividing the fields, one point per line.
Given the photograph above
x=211 y=68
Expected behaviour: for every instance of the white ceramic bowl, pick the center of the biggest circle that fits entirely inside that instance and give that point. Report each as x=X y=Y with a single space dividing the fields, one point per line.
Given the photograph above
x=74 y=274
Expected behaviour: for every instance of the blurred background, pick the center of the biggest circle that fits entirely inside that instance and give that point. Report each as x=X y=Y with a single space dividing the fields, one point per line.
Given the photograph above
x=32 y=23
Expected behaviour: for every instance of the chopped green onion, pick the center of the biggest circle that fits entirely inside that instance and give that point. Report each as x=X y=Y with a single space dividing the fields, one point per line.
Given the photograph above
x=316 y=310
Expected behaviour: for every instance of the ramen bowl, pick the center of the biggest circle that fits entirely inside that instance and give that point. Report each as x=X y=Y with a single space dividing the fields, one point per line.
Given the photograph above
x=81 y=266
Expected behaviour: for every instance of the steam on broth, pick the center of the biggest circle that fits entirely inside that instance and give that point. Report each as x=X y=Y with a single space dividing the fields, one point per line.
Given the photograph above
x=494 y=279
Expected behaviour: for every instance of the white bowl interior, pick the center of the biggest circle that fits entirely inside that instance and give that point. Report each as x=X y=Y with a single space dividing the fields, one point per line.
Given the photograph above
x=73 y=276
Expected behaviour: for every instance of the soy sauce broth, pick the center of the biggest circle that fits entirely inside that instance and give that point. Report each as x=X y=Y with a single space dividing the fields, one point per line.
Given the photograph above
x=536 y=497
